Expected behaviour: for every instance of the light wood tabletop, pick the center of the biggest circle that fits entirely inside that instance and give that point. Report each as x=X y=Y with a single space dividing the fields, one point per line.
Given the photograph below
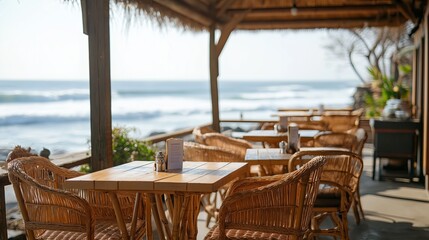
x=184 y=186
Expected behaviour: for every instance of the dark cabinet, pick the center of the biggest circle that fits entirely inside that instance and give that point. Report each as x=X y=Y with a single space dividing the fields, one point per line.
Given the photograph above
x=396 y=140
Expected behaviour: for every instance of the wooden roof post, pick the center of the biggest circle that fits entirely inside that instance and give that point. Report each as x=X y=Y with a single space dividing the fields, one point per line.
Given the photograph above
x=214 y=73
x=96 y=16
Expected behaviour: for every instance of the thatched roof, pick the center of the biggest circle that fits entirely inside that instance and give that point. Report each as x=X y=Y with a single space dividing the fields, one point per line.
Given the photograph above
x=281 y=14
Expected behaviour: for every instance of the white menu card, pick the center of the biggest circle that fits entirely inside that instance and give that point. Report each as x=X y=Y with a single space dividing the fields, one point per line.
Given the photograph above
x=174 y=153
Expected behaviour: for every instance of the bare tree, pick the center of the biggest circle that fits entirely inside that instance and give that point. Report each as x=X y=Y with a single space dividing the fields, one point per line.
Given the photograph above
x=377 y=45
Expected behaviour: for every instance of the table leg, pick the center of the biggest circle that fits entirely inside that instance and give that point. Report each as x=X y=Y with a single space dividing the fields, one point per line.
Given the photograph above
x=137 y=204
x=155 y=214
x=162 y=215
x=118 y=213
x=148 y=216
x=194 y=210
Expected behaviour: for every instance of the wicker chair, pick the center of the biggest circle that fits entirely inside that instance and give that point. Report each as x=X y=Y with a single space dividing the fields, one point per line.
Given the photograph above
x=335 y=139
x=219 y=140
x=353 y=142
x=342 y=122
x=52 y=212
x=273 y=207
x=338 y=186
x=361 y=137
x=198 y=133
x=199 y=152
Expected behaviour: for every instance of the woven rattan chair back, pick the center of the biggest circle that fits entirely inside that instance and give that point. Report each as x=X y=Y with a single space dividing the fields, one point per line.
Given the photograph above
x=281 y=209
x=202 y=153
x=341 y=122
x=50 y=211
x=34 y=180
x=341 y=176
x=198 y=133
x=221 y=141
x=336 y=139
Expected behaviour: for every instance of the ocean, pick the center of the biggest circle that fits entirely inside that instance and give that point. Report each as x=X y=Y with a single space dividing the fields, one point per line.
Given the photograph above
x=56 y=114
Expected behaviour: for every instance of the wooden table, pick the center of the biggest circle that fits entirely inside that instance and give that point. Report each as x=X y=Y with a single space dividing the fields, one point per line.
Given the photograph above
x=186 y=187
x=271 y=136
x=272 y=156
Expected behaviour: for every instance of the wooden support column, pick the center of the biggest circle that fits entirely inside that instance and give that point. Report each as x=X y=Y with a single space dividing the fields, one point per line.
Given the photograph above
x=97 y=28
x=425 y=105
x=214 y=73
x=215 y=51
x=3 y=219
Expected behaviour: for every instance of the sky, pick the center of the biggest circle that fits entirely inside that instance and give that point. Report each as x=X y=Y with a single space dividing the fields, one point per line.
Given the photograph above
x=43 y=40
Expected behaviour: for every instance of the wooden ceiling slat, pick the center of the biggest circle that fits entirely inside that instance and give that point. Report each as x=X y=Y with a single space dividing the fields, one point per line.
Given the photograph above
x=368 y=9
x=405 y=9
x=320 y=23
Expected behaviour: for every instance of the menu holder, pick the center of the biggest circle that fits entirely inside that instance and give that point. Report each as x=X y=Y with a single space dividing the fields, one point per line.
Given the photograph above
x=283 y=121
x=174 y=153
x=293 y=138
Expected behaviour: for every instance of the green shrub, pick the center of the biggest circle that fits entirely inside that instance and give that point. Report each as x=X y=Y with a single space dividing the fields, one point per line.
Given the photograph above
x=127 y=149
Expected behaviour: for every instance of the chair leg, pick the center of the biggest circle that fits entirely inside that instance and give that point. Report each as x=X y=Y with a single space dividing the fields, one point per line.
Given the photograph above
x=374 y=161
x=357 y=208
x=345 y=226
x=359 y=204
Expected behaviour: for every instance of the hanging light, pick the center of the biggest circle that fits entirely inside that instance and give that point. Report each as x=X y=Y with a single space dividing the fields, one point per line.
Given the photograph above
x=294 y=9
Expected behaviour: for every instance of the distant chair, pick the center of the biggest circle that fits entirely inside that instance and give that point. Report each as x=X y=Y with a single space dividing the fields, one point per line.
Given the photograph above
x=198 y=133
x=275 y=207
x=335 y=139
x=234 y=145
x=52 y=212
x=203 y=153
x=342 y=122
x=361 y=137
x=338 y=185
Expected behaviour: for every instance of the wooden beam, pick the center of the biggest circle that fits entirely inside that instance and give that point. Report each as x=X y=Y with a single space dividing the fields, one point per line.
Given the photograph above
x=185 y=10
x=317 y=23
x=226 y=32
x=3 y=218
x=406 y=11
x=100 y=92
x=214 y=73
x=222 y=6
x=321 y=10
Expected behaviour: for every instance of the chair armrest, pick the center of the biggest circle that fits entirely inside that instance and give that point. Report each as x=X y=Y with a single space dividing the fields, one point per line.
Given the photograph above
x=251 y=183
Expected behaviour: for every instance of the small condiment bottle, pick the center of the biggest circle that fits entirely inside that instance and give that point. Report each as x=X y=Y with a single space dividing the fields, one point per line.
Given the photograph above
x=160 y=165
x=283 y=147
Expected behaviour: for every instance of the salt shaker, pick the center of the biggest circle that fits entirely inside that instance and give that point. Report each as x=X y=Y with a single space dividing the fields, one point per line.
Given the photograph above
x=160 y=162
x=282 y=146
